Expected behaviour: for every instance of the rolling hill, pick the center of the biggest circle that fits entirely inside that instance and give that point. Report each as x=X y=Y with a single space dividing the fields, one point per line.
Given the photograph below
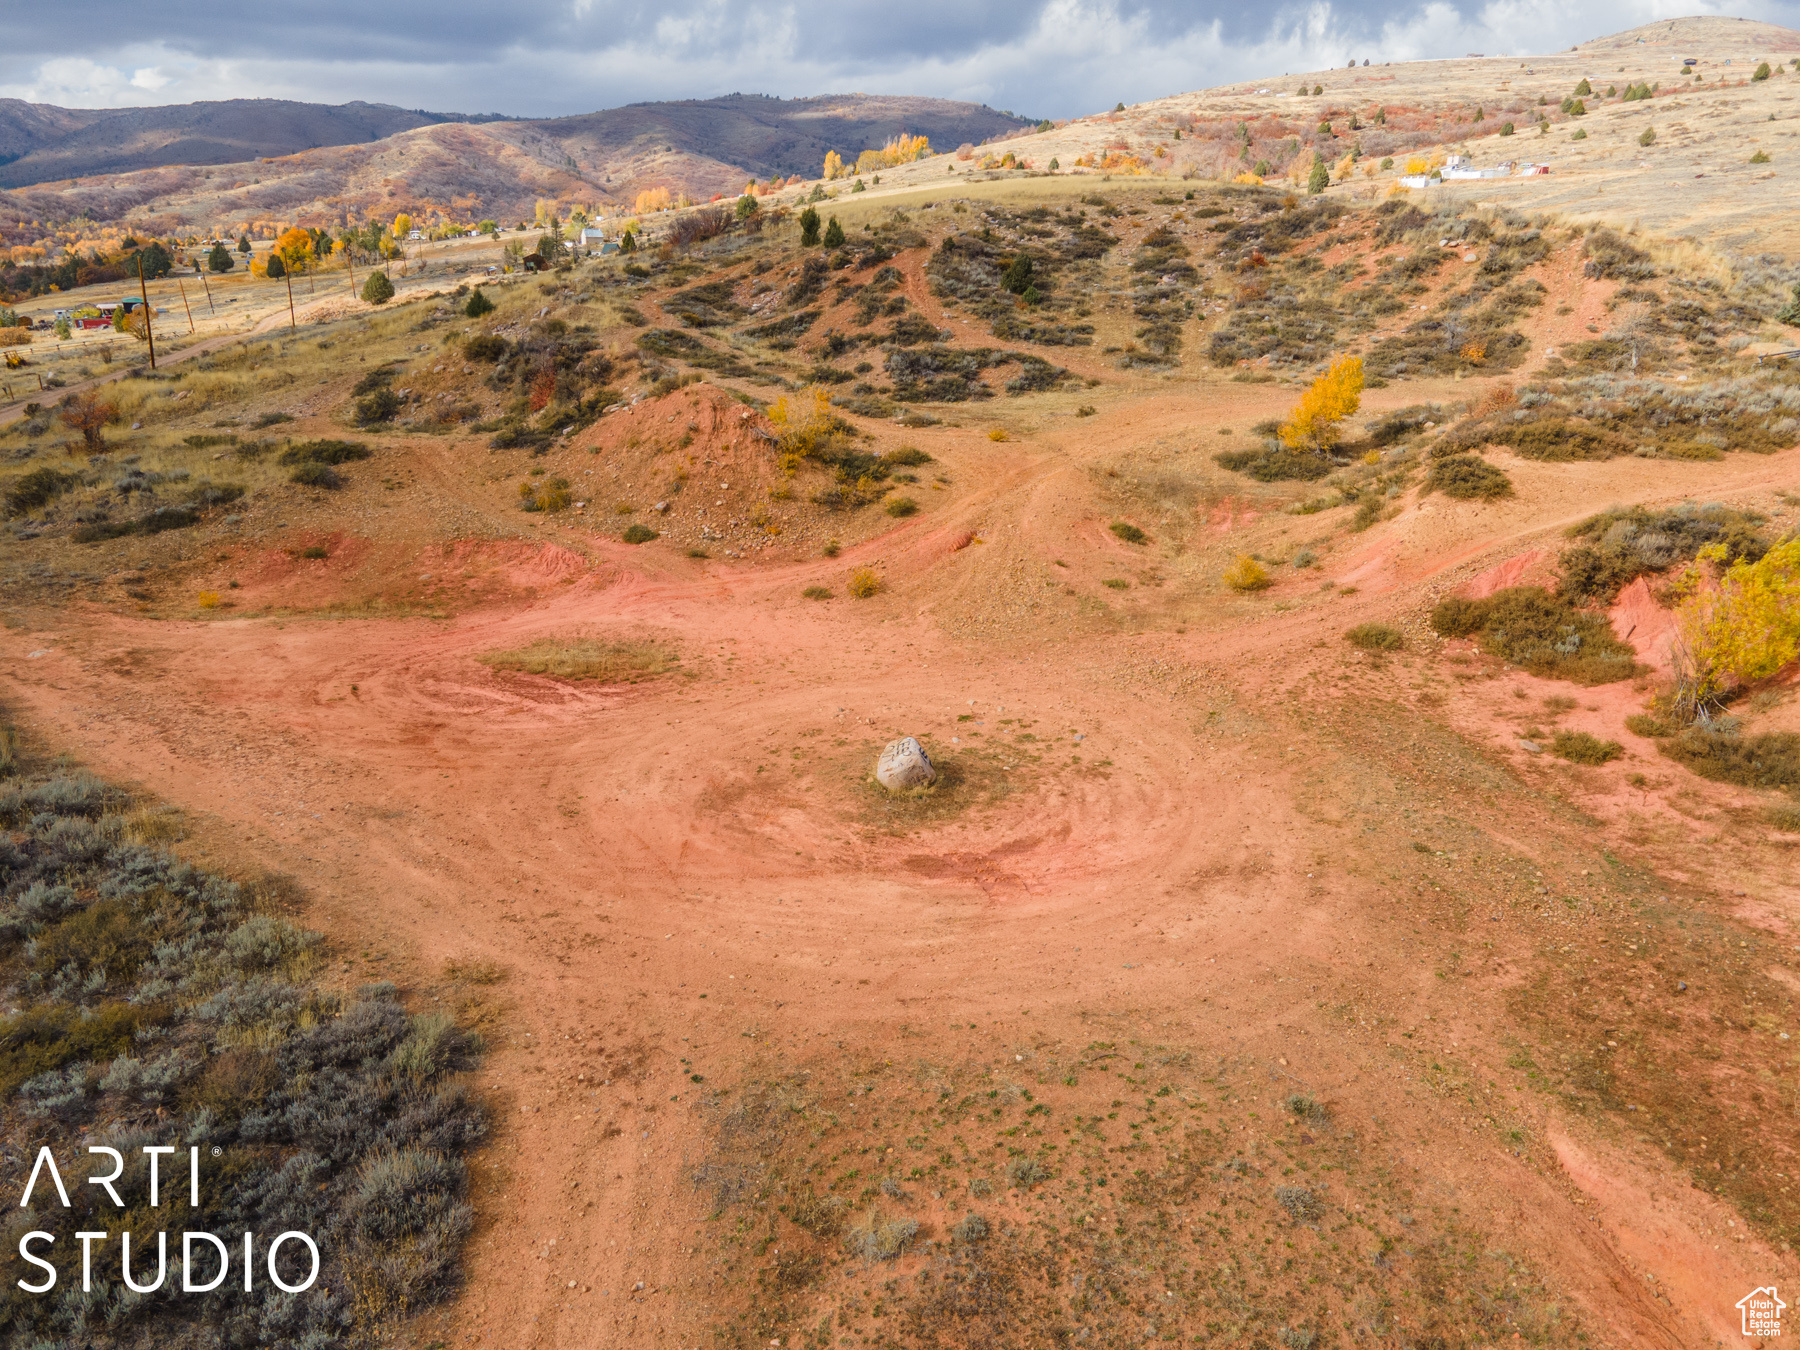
x=41 y=143
x=191 y=166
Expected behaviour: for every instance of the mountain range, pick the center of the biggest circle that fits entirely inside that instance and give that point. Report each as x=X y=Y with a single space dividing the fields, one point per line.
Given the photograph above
x=248 y=160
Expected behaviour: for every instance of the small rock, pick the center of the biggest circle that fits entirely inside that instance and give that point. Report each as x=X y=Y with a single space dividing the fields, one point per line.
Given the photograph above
x=1531 y=747
x=660 y=506
x=904 y=764
x=137 y=426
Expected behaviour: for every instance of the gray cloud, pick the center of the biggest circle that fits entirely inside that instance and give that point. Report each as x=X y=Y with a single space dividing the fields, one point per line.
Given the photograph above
x=1043 y=57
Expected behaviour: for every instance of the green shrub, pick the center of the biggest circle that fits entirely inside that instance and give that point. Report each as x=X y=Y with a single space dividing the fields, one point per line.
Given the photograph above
x=817 y=593
x=834 y=234
x=1468 y=478
x=315 y=475
x=907 y=456
x=46 y=1037
x=478 y=305
x=1558 y=439
x=1649 y=726
x=37 y=488
x=1771 y=760
x=1783 y=816
x=1375 y=637
x=1274 y=465
x=335 y=1114
x=1130 y=533
x=381 y=406
x=1630 y=542
x=902 y=506
x=1580 y=748
x=378 y=290
x=639 y=534
x=324 y=452
x=1541 y=633
x=485 y=350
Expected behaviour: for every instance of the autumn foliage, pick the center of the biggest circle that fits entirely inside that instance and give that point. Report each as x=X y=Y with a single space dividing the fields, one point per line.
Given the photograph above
x=88 y=414
x=1743 y=627
x=295 y=248
x=1316 y=422
x=902 y=149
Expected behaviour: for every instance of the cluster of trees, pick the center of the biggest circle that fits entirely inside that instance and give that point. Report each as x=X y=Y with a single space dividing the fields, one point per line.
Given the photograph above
x=901 y=149
x=809 y=231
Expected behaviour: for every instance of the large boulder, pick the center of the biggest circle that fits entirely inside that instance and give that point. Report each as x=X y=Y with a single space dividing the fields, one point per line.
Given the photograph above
x=904 y=764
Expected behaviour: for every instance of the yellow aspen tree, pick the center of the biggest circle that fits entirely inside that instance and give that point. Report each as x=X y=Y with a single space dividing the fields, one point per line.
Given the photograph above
x=834 y=165
x=1316 y=423
x=1744 y=628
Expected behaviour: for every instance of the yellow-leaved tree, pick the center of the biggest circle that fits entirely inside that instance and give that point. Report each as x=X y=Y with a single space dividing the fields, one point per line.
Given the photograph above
x=1316 y=423
x=653 y=199
x=296 y=249
x=834 y=165
x=1742 y=628
x=402 y=225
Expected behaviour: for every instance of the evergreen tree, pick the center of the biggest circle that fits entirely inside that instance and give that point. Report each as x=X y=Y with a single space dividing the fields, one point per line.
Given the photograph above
x=478 y=305
x=277 y=269
x=1320 y=179
x=809 y=228
x=243 y=243
x=834 y=234
x=219 y=260
x=378 y=290
x=1018 y=275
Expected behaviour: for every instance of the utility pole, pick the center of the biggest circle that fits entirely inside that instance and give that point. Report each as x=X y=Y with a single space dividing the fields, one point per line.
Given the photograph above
x=207 y=286
x=292 y=326
x=144 y=291
x=185 y=305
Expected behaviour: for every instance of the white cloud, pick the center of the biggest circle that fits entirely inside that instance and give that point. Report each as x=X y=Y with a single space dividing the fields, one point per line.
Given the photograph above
x=1043 y=57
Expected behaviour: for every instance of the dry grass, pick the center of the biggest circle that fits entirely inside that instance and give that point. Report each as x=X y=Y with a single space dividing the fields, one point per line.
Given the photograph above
x=1162 y=1211
x=585 y=659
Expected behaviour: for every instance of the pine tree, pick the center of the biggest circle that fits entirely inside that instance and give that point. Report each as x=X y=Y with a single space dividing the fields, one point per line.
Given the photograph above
x=219 y=260
x=1018 y=275
x=1320 y=178
x=478 y=305
x=809 y=228
x=378 y=290
x=834 y=234
x=243 y=243
x=276 y=269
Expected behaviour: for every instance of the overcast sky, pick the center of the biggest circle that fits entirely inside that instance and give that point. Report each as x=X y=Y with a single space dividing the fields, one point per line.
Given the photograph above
x=1045 y=58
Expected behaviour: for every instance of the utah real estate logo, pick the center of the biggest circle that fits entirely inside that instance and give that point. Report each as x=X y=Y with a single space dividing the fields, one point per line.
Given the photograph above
x=1762 y=1312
